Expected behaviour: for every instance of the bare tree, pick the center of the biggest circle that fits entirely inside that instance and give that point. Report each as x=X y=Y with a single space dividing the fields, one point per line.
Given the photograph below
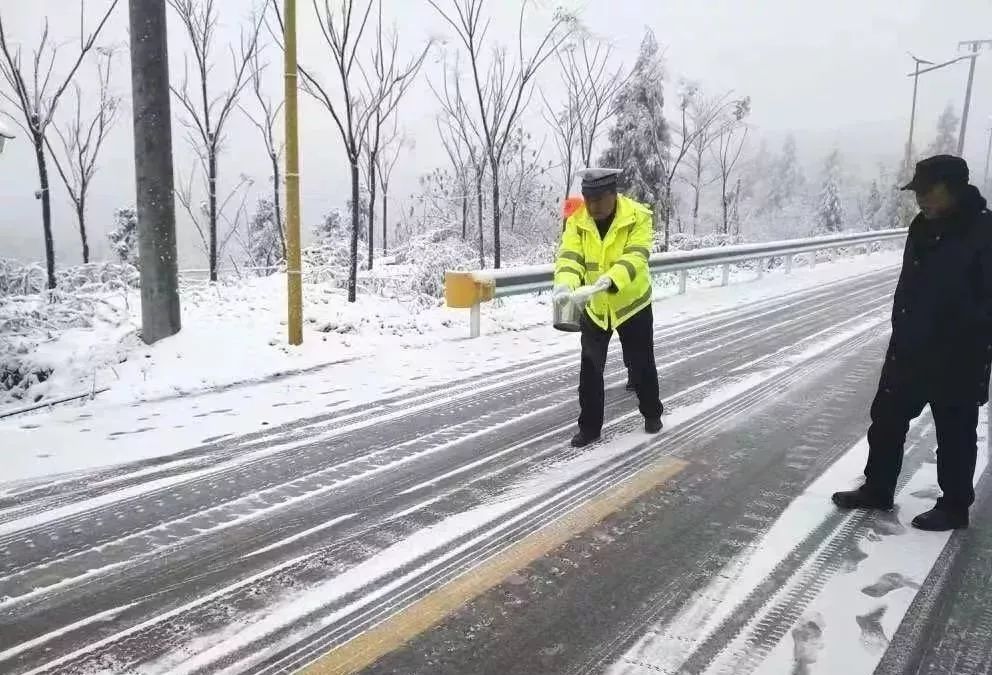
x=585 y=69
x=564 y=123
x=731 y=136
x=465 y=147
x=384 y=66
x=199 y=214
x=37 y=97
x=589 y=104
x=504 y=90
x=207 y=113
x=386 y=162
x=82 y=139
x=691 y=127
x=523 y=175
x=266 y=120
x=356 y=110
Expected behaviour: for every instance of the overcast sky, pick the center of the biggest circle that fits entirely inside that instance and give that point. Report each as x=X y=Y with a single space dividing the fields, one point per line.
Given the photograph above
x=832 y=73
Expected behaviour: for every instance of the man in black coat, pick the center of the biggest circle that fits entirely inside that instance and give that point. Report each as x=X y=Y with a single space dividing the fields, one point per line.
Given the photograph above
x=941 y=346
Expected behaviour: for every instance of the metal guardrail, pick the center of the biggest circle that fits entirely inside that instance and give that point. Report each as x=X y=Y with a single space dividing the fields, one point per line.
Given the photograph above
x=468 y=290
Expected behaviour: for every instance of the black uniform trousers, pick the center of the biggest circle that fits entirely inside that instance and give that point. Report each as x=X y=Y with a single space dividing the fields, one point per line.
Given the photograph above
x=637 y=340
x=957 y=445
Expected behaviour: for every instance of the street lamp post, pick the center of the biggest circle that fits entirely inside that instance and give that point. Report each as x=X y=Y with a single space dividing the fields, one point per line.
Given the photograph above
x=912 y=115
x=916 y=76
x=974 y=44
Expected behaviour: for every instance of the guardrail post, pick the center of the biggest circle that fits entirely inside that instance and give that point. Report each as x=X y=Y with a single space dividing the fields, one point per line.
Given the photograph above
x=726 y=274
x=683 y=281
x=475 y=320
x=812 y=259
x=761 y=268
x=788 y=263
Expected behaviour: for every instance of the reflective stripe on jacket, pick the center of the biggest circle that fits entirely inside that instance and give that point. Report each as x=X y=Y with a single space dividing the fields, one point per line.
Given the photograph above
x=584 y=257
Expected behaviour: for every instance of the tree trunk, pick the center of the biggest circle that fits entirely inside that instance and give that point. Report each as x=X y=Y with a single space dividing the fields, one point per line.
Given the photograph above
x=496 y=214
x=737 y=213
x=355 y=224
x=465 y=216
x=667 y=211
x=81 y=218
x=482 y=238
x=371 y=211
x=724 y=199
x=277 y=201
x=385 y=219
x=697 y=188
x=212 y=178
x=46 y=209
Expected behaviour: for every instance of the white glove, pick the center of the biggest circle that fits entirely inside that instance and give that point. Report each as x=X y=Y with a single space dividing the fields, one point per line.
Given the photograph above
x=583 y=295
x=561 y=294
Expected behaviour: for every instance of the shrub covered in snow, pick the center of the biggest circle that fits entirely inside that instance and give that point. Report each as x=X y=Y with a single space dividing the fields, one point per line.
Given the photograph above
x=688 y=242
x=124 y=237
x=33 y=327
x=266 y=246
x=26 y=279
x=430 y=255
x=327 y=260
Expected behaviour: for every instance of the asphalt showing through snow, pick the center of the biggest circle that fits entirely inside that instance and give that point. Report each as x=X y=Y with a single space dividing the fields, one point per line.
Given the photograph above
x=156 y=565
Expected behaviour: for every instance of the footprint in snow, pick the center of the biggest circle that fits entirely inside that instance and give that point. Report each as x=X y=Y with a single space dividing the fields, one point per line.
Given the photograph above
x=851 y=557
x=872 y=634
x=886 y=524
x=807 y=637
x=887 y=583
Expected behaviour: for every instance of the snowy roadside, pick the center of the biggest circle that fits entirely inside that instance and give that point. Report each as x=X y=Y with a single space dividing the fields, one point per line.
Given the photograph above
x=234 y=334
x=392 y=349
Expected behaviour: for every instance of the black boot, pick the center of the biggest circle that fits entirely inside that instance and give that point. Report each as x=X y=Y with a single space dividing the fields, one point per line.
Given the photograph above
x=630 y=385
x=941 y=520
x=863 y=498
x=653 y=426
x=582 y=439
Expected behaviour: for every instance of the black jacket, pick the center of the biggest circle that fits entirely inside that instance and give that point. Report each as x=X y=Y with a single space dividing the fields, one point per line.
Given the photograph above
x=941 y=344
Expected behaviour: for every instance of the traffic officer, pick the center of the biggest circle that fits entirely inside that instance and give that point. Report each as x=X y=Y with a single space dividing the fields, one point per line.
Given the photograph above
x=941 y=346
x=602 y=267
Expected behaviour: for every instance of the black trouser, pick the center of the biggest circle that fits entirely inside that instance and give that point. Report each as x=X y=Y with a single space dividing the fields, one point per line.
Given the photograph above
x=637 y=340
x=957 y=445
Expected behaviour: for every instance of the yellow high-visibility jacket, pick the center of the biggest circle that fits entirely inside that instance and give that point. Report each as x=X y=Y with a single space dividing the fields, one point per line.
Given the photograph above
x=584 y=257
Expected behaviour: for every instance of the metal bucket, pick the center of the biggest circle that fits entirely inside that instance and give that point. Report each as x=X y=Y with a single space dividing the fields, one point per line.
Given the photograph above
x=567 y=316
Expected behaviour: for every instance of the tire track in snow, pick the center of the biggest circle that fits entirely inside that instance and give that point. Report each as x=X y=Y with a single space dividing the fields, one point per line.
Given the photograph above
x=44 y=495
x=780 y=335
x=758 y=624
x=241 y=477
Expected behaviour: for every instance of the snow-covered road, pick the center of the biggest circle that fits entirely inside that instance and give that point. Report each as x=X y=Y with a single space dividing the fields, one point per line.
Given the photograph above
x=263 y=551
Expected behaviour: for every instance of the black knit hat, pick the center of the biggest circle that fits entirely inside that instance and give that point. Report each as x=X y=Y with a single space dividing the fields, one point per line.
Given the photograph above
x=597 y=181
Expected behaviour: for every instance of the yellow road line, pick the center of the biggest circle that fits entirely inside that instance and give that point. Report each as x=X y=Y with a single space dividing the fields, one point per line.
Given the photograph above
x=365 y=649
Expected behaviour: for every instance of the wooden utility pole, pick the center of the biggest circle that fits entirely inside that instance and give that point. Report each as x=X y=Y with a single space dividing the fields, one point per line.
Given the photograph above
x=293 y=264
x=160 y=313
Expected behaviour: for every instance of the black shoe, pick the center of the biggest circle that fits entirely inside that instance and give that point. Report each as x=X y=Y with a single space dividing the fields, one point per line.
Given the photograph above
x=630 y=385
x=941 y=520
x=862 y=498
x=582 y=439
x=653 y=426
